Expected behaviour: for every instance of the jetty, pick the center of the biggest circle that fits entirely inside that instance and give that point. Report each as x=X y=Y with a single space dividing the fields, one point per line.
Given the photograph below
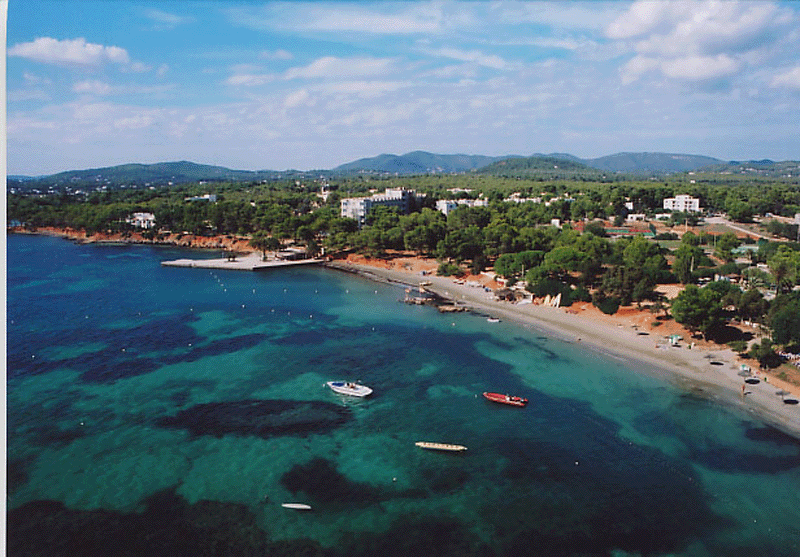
x=252 y=262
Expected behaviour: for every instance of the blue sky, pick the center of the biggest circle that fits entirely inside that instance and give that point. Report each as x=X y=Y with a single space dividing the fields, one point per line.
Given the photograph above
x=311 y=85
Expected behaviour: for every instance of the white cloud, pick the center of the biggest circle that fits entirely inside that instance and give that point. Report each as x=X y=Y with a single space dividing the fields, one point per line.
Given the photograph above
x=700 y=67
x=19 y=95
x=332 y=67
x=101 y=88
x=474 y=56
x=279 y=54
x=93 y=87
x=559 y=15
x=461 y=71
x=391 y=18
x=249 y=79
x=696 y=41
x=139 y=67
x=643 y=18
x=296 y=98
x=34 y=79
x=365 y=89
x=165 y=21
x=69 y=52
x=637 y=66
x=789 y=78
x=135 y=122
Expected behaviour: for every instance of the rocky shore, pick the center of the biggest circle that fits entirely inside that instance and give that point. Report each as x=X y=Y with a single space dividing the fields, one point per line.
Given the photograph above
x=239 y=244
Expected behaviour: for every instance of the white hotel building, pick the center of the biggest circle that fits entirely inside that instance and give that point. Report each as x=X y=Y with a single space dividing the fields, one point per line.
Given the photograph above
x=446 y=206
x=682 y=203
x=358 y=208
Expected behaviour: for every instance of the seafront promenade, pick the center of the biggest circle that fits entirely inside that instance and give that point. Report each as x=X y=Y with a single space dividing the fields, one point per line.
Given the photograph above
x=250 y=262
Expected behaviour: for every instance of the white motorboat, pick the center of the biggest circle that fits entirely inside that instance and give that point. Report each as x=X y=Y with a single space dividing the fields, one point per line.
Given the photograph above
x=440 y=446
x=296 y=506
x=347 y=388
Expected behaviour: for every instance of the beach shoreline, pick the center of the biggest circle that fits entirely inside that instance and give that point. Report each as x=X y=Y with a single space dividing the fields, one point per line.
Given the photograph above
x=701 y=367
x=711 y=371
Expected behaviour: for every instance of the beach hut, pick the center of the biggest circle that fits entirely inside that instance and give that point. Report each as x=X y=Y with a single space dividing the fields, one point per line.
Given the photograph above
x=675 y=339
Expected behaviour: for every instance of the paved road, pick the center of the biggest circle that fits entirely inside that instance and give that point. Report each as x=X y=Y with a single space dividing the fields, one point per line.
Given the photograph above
x=729 y=224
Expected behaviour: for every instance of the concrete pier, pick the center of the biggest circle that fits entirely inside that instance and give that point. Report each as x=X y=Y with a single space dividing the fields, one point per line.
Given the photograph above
x=250 y=262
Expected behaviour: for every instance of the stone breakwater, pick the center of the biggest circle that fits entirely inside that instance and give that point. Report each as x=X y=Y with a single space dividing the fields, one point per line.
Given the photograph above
x=221 y=242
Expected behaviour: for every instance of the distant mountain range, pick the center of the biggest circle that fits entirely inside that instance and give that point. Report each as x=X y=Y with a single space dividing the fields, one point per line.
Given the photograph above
x=162 y=173
x=414 y=163
x=418 y=162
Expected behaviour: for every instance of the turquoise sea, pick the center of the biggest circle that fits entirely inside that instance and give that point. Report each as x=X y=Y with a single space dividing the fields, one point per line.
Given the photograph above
x=168 y=411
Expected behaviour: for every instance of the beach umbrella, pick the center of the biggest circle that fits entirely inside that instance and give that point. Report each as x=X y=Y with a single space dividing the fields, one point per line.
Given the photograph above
x=782 y=393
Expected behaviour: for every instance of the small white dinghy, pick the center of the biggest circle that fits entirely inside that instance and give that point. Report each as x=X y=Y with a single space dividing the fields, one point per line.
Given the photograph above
x=296 y=506
x=347 y=388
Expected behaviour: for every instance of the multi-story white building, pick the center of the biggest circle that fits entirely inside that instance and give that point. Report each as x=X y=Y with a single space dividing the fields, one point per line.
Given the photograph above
x=448 y=205
x=142 y=220
x=682 y=203
x=358 y=208
x=210 y=197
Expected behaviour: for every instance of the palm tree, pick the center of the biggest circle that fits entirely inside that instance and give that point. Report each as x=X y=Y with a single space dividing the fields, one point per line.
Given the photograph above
x=264 y=243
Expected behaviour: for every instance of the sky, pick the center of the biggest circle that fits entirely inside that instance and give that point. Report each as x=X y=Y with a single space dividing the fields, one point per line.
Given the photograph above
x=312 y=85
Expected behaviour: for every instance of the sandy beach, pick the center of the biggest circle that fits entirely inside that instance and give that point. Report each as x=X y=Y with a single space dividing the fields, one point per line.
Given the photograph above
x=704 y=368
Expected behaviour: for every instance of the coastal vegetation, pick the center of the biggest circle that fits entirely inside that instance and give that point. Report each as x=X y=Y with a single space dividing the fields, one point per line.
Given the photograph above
x=551 y=233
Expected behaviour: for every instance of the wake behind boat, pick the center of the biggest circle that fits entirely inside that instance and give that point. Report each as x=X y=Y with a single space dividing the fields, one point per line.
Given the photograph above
x=506 y=399
x=350 y=389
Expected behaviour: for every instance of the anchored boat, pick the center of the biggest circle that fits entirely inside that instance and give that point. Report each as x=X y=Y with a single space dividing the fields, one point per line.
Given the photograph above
x=347 y=388
x=506 y=399
x=440 y=446
x=296 y=506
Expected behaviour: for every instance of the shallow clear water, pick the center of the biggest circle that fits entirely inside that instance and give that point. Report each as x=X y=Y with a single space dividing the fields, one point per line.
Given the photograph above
x=162 y=410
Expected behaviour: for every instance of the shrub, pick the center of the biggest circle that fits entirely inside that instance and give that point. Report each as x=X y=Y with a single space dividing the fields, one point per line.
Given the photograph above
x=738 y=346
x=580 y=294
x=547 y=287
x=449 y=269
x=666 y=236
x=607 y=304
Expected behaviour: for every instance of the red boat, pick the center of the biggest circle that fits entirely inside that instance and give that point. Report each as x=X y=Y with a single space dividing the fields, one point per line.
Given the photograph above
x=505 y=399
